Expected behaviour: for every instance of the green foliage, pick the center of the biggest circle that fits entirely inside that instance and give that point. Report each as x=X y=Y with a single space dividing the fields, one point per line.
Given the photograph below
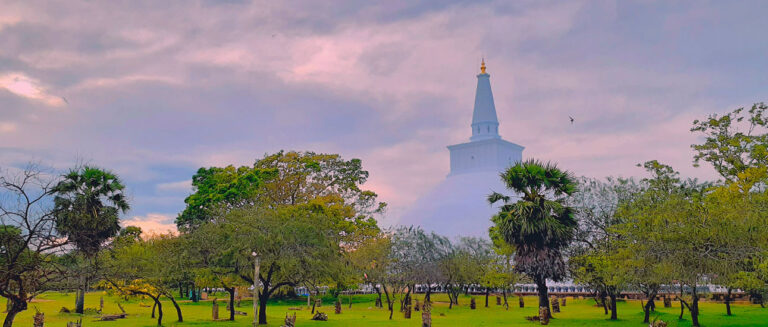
x=596 y=258
x=216 y=188
x=323 y=179
x=88 y=202
x=16 y=259
x=539 y=225
x=729 y=148
x=372 y=259
x=416 y=256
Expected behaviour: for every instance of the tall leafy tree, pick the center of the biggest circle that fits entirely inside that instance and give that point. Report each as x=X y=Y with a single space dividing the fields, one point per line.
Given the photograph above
x=592 y=256
x=739 y=208
x=540 y=225
x=323 y=187
x=88 y=202
x=692 y=232
x=295 y=244
x=736 y=144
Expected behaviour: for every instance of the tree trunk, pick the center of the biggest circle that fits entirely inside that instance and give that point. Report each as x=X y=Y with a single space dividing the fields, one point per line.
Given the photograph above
x=614 y=315
x=728 y=301
x=487 y=293
x=263 y=305
x=694 y=309
x=648 y=307
x=16 y=307
x=8 y=322
x=682 y=304
x=506 y=305
x=405 y=300
x=178 y=309
x=154 y=306
x=379 y=303
x=427 y=297
x=159 y=310
x=80 y=300
x=231 y=304
x=682 y=310
x=390 y=305
x=541 y=284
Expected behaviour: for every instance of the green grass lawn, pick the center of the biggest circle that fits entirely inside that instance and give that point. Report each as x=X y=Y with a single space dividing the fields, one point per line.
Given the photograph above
x=577 y=313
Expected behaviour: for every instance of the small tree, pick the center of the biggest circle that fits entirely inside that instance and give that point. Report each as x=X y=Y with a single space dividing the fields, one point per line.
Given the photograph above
x=28 y=239
x=417 y=255
x=371 y=260
x=137 y=267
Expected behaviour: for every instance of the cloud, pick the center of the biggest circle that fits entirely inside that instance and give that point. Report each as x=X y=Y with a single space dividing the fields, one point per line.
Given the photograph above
x=7 y=127
x=25 y=86
x=158 y=89
x=153 y=223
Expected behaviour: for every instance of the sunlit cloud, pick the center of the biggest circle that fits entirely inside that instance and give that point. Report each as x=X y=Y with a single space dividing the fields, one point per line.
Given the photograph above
x=153 y=223
x=7 y=127
x=25 y=86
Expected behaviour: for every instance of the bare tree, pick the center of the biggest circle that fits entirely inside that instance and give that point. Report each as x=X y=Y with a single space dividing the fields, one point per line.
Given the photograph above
x=28 y=238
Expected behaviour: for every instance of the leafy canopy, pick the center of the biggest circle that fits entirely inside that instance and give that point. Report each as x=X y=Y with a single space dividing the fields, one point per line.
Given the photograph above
x=539 y=225
x=88 y=202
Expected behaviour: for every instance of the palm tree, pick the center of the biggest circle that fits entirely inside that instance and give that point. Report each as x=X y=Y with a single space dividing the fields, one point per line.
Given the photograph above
x=88 y=202
x=539 y=225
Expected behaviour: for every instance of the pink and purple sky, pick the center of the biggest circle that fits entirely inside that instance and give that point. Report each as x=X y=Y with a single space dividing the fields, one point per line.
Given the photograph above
x=155 y=89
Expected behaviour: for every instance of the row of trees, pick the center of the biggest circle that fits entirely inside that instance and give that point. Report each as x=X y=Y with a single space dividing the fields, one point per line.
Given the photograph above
x=665 y=233
x=398 y=260
x=310 y=223
x=660 y=231
x=301 y=212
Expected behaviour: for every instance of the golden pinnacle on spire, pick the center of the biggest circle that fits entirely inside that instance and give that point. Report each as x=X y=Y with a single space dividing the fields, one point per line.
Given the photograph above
x=482 y=66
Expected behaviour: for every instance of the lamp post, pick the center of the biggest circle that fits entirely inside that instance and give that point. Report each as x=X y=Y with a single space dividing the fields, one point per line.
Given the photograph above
x=255 y=288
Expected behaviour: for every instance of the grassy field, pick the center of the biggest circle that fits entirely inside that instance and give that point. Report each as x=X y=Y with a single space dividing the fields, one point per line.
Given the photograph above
x=576 y=313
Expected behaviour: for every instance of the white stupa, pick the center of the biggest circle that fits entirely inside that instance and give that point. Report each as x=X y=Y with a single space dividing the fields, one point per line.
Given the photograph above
x=458 y=206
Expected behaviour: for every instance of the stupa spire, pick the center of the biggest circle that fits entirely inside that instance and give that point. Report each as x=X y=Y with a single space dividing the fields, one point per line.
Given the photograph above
x=485 y=124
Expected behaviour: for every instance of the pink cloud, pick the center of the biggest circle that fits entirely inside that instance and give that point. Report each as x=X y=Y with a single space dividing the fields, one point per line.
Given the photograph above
x=153 y=223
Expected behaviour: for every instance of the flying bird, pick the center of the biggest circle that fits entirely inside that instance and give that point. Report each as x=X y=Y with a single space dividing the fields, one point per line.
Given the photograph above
x=571 y=119
x=65 y=100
